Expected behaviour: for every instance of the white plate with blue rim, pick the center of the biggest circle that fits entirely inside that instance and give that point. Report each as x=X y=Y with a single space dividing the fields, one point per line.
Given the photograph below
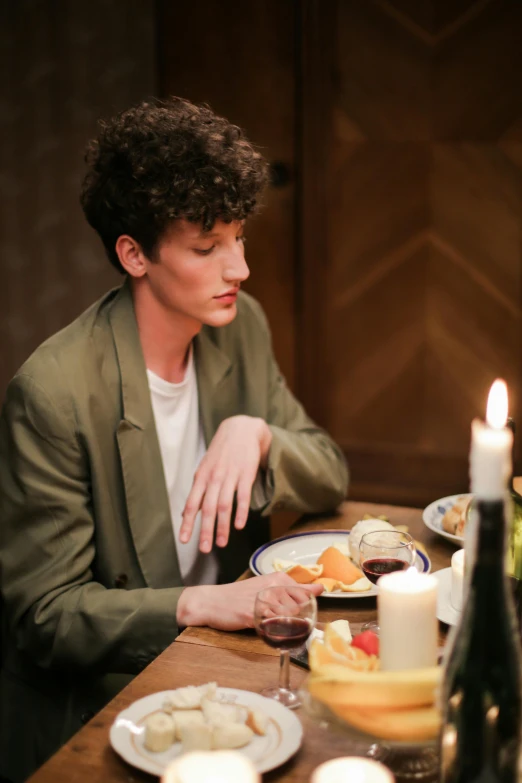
x=433 y=514
x=305 y=548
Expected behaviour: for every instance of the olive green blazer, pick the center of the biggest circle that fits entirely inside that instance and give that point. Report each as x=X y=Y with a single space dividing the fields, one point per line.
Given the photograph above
x=89 y=573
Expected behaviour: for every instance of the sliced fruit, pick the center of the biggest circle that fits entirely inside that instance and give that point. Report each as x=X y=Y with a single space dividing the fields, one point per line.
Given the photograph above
x=305 y=574
x=367 y=641
x=319 y=656
x=414 y=725
x=329 y=584
x=343 y=685
x=338 y=566
x=359 y=586
x=342 y=628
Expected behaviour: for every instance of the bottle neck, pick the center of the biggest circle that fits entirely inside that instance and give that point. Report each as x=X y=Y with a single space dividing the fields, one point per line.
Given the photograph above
x=491 y=534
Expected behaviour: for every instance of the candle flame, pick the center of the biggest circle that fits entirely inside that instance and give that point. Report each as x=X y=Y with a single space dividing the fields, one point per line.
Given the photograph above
x=497 y=410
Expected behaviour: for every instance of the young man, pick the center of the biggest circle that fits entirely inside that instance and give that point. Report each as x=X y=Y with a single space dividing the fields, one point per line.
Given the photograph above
x=154 y=425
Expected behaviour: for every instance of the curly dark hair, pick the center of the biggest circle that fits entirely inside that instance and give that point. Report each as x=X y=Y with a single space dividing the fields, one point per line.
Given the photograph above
x=164 y=160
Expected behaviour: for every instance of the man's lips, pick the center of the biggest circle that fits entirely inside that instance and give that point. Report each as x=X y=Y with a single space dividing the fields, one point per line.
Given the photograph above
x=228 y=294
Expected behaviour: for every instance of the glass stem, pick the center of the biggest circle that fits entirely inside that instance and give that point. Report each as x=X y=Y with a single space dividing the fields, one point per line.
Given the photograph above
x=284 y=670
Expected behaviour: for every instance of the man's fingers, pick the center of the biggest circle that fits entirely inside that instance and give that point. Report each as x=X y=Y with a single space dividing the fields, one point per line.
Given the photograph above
x=191 y=509
x=208 y=514
x=244 y=493
x=224 y=510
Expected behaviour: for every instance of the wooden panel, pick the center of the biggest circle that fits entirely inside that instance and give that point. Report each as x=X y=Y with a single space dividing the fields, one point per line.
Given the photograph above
x=240 y=57
x=61 y=71
x=420 y=308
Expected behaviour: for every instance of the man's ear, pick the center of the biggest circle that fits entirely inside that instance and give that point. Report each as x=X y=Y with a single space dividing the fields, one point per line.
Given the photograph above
x=131 y=256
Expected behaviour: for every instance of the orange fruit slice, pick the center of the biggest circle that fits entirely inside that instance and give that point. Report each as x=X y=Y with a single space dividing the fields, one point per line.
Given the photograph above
x=329 y=584
x=305 y=575
x=338 y=566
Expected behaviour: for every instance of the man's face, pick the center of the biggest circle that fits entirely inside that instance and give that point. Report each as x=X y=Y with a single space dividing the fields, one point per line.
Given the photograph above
x=198 y=274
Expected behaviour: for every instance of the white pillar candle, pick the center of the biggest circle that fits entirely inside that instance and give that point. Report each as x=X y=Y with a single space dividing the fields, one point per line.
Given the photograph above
x=352 y=769
x=216 y=766
x=407 y=605
x=457 y=580
x=491 y=444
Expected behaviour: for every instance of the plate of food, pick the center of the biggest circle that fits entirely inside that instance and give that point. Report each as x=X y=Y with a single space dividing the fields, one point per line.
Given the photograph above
x=328 y=557
x=154 y=730
x=447 y=516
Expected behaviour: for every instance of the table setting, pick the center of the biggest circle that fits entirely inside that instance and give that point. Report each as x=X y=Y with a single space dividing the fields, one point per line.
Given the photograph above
x=365 y=698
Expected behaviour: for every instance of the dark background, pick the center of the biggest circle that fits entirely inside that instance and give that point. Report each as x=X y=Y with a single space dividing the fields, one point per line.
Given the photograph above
x=389 y=253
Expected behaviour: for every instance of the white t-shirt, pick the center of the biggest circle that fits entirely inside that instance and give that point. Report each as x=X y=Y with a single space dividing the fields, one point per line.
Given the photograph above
x=182 y=446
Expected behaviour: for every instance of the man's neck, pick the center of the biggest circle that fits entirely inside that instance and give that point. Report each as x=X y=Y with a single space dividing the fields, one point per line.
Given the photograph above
x=165 y=337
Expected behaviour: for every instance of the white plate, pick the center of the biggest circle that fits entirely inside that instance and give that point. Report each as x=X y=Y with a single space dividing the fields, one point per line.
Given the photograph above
x=305 y=548
x=445 y=611
x=282 y=740
x=432 y=516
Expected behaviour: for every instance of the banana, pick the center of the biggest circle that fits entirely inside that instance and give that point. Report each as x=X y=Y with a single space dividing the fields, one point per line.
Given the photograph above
x=337 y=685
x=407 y=725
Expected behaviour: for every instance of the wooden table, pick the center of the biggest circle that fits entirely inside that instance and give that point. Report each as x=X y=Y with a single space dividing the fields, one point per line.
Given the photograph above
x=239 y=660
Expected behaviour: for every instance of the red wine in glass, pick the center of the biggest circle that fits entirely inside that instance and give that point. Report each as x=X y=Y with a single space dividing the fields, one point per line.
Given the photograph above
x=285 y=633
x=376 y=567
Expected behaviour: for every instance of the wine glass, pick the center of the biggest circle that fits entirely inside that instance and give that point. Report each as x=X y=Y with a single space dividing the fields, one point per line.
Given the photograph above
x=382 y=552
x=284 y=617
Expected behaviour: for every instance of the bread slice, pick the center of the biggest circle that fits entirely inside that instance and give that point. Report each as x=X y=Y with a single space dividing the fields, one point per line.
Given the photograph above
x=184 y=718
x=220 y=713
x=196 y=736
x=231 y=736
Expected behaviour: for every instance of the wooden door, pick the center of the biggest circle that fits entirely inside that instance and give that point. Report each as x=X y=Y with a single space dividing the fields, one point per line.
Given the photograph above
x=411 y=234
x=240 y=58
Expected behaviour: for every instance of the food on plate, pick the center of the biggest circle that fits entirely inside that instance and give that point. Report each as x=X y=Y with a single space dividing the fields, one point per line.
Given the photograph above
x=334 y=570
x=219 y=713
x=454 y=520
x=301 y=573
x=207 y=724
x=231 y=736
x=184 y=718
x=197 y=736
x=339 y=566
x=346 y=677
x=189 y=697
x=360 y=529
x=159 y=732
x=258 y=722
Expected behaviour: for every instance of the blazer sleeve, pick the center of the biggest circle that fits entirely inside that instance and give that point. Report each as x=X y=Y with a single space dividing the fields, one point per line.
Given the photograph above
x=58 y=615
x=307 y=471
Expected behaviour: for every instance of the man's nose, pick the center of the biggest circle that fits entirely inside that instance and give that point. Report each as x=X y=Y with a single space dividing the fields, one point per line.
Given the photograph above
x=236 y=268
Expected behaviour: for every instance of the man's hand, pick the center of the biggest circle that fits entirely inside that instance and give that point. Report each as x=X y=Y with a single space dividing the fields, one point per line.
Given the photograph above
x=237 y=450
x=229 y=607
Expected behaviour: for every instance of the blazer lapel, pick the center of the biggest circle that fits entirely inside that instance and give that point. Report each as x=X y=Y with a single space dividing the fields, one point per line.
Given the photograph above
x=145 y=488
x=216 y=383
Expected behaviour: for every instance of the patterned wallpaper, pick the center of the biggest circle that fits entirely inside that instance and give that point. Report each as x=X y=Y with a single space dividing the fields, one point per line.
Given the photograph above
x=67 y=63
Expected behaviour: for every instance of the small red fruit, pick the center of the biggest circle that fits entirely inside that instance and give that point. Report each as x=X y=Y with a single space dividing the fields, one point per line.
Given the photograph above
x=367 y=641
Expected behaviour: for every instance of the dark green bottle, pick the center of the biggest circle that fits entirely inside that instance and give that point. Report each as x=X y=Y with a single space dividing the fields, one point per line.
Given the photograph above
x=514 y=551
x=481 y=692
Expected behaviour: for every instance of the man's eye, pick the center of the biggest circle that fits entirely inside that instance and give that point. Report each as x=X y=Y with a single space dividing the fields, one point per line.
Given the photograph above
x=206 y=252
